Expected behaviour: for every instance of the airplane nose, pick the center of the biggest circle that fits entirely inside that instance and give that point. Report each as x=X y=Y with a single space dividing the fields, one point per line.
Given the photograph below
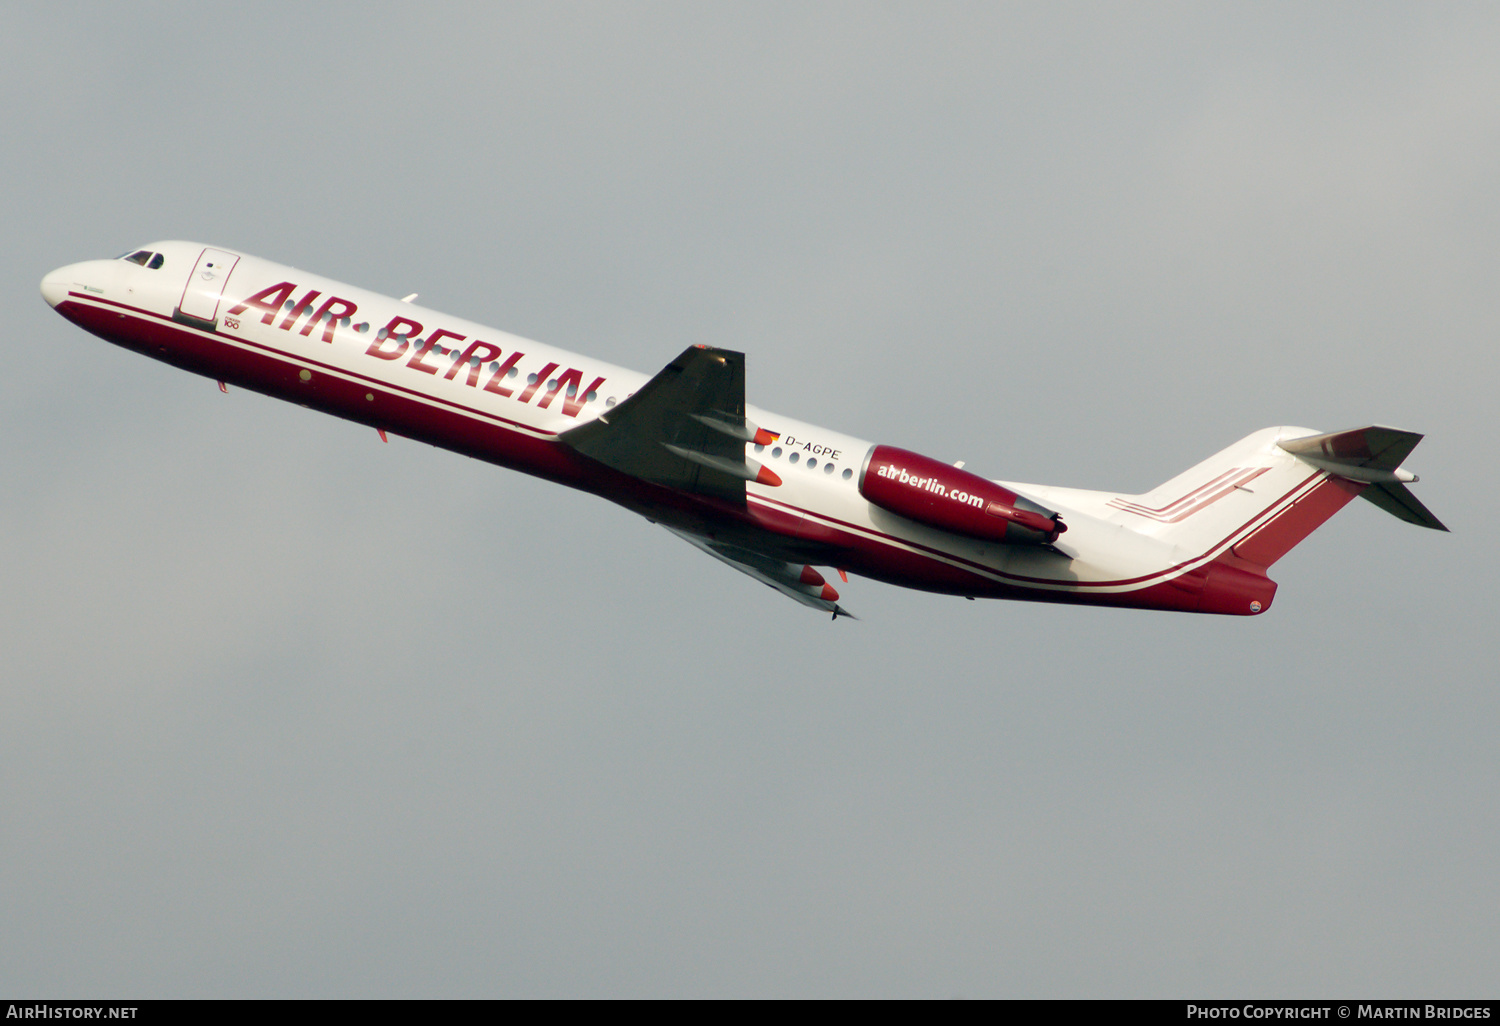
x=55 y=285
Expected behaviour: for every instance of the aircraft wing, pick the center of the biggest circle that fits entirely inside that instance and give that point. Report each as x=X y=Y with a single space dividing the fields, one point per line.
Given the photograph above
x=684 y=429
x=794 y=580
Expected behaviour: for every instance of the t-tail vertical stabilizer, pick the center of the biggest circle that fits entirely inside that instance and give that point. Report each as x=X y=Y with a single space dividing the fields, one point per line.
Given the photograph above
x=1235 y=514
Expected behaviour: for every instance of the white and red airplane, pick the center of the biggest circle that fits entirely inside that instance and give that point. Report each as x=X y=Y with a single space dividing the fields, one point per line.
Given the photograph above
x=770 y=496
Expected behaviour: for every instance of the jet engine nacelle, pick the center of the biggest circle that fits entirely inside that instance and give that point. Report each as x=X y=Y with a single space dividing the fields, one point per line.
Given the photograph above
x=934 y=493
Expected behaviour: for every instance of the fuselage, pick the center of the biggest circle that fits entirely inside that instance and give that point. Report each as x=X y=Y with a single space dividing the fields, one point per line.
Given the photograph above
x=433 y=377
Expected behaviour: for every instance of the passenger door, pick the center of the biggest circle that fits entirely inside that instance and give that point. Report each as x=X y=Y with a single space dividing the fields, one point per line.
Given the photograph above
x=205 y=287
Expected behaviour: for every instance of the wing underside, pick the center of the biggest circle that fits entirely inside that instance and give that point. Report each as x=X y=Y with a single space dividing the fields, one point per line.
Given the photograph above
x=794 y=580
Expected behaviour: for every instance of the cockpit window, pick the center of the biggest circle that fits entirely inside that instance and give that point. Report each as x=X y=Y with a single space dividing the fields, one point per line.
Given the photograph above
x=145 y=258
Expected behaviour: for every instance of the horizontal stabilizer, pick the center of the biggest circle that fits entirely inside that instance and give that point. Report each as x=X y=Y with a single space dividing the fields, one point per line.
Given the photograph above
x=1371 y=455
x=1397 y=500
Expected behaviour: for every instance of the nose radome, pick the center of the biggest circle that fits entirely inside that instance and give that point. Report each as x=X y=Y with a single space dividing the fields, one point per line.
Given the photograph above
x=55 y=285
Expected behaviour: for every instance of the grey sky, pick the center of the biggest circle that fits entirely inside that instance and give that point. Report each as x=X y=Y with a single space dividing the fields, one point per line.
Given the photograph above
x=286 y=712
